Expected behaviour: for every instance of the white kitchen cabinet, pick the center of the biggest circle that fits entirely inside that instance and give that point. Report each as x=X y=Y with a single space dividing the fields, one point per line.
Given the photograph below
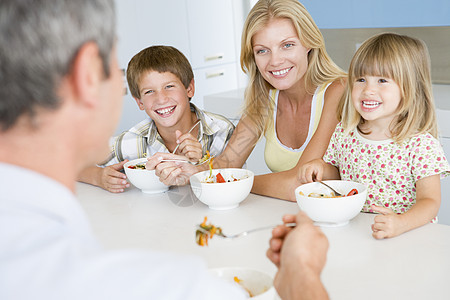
x=212 y=37
x=212 y=80
x=211 y=32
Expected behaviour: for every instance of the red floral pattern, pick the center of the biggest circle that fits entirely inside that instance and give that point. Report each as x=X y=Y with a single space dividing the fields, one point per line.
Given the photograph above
x=388 y=169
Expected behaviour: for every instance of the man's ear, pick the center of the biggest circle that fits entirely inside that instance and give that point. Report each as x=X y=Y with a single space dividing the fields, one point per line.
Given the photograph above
x=87 y=74
x=139 y=103
x=191 y=89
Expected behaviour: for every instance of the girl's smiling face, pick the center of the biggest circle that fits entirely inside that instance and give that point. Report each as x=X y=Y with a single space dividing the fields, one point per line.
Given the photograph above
x=376 y=99
x=164 y=98
x=279 y=55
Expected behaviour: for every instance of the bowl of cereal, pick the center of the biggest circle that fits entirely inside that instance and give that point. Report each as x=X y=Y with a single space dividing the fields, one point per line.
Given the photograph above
x=143 y=179
x=222 y=189
x=326 y=209
x=256 y=284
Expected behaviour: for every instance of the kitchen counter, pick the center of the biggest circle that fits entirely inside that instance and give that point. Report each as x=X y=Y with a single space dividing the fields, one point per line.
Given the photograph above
x=415 y=265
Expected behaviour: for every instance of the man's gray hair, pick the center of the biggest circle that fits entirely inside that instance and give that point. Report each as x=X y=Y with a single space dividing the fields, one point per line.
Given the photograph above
x=39 y=40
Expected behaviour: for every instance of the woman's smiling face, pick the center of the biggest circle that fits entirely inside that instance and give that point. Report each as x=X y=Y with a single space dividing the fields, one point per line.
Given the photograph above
x=279 y=55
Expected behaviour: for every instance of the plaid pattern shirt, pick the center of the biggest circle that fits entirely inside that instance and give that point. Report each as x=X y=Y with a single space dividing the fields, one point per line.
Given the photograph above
x=144 y=140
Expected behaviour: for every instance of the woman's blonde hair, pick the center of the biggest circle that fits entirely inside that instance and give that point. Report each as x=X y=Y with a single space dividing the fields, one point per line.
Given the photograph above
x=321 y=69
x=405 y=60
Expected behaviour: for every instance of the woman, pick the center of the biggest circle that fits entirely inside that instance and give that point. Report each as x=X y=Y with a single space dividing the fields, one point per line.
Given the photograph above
x=292 y=98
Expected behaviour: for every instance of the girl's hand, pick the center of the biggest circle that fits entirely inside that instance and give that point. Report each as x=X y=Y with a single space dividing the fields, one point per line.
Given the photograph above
x=311 y=170
x=171 y=173
x=189 y=146
x=111 y=179
x=388 y=224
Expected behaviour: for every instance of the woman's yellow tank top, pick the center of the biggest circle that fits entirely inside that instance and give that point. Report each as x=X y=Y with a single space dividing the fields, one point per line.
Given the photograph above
x=279 y=157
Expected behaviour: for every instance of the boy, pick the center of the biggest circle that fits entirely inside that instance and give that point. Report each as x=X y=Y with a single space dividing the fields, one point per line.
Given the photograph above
x=161 y=81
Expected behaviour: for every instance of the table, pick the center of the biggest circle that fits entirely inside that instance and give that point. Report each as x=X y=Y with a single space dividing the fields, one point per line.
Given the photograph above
x=415 y=265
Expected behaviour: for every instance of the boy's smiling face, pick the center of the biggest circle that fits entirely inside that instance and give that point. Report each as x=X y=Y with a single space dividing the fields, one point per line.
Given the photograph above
x=164 y=98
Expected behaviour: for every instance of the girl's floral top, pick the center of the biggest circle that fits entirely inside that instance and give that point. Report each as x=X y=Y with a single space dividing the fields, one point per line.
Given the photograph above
x=388 y=169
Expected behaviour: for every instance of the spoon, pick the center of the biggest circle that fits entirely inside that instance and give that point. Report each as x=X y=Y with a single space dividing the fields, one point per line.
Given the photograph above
x=190 y=130
x=243 y=233
x=335 y=192
x=198 y=163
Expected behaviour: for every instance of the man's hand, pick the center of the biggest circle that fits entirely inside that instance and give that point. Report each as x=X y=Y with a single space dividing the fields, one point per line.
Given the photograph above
x=300 y=255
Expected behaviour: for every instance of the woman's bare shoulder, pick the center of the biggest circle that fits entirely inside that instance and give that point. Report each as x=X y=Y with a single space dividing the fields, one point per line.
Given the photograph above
x=336 y=88
x=334 y=92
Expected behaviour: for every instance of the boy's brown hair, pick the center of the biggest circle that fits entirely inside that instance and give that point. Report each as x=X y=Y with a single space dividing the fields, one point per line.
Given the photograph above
x=160 y=59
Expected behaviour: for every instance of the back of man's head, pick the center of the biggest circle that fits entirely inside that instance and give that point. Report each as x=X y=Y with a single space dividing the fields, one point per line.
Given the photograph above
x=39 y=40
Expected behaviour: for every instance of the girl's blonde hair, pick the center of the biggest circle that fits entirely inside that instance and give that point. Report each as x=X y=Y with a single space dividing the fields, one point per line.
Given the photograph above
x=405 y=60
x=321 y=69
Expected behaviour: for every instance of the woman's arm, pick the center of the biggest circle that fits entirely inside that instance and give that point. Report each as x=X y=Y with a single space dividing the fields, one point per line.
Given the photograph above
x=282 y=184
x=240 y=145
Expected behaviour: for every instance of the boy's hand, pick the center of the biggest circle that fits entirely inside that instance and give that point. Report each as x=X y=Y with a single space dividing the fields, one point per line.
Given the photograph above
x=189 y=146
x=111 y=179
x=311 y=170
x=386 y=225
x=171 y=173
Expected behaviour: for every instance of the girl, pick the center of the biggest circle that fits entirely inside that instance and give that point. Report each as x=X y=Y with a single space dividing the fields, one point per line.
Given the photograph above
x=387 y=138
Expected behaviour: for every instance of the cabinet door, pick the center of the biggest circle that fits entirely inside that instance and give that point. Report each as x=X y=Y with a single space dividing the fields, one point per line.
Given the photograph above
x=211 y=32
x=214 y=80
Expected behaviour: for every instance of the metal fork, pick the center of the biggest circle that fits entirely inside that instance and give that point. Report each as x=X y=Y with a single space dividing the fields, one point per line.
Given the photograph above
x=190 y=130
x=198 y=163
x=243 y=233
x=335 y=192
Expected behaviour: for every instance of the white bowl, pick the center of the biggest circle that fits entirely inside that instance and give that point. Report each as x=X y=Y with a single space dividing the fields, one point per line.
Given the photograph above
x=221 y=196
x=145 y=180
x=260 y=284
x=331 y=211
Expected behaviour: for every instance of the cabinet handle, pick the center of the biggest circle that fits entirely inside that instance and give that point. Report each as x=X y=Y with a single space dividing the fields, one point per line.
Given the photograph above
x=215 y=74
x=214 y=57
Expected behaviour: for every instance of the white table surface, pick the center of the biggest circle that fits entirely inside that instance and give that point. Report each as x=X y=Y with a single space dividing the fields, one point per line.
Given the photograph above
x=415 y=265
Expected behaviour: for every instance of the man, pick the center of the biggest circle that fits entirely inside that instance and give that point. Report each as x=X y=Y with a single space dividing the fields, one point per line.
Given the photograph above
x=300 y=256
x=60 y=99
